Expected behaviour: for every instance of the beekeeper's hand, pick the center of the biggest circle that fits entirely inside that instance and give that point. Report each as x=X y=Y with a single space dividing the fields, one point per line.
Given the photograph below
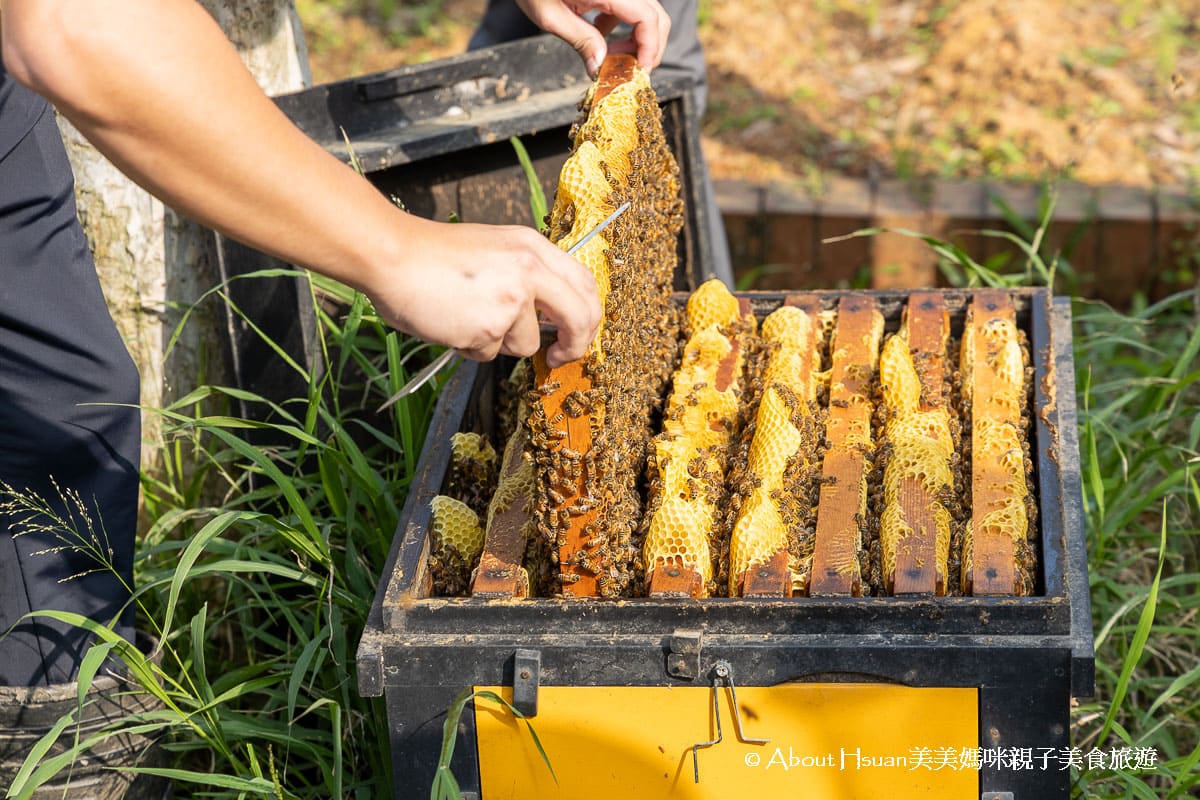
x=479 y=288
x=564 y=19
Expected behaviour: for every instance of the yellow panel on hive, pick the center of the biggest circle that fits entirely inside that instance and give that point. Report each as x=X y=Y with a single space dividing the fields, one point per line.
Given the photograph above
x=833 y=741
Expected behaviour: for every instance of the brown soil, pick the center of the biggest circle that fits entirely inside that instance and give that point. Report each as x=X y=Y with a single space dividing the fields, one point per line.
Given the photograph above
x=1099 y=92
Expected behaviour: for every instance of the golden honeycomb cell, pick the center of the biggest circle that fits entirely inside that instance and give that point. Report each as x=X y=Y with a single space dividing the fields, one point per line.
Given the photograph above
x=470 y=446
x=455 y=524
x=711 y=305
x=994 y=363
x=919 y=470
x=690 y=454
x=456 y=542
x=601 y=157
x=782 y=438
x=472 y=470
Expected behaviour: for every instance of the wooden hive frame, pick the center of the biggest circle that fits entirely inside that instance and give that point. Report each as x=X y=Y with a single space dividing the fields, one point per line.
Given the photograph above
x=675 y=578
x=841 y=513
x=919 y=568
x=990 y=561
x=569 y=424
x=501 y=571
x=772 y=577
x=996 y=482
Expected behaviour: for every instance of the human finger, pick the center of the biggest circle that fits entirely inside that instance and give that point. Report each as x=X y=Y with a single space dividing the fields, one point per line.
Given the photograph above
x=651 y=25
x=555 y=17
x=524 y=337
x=606 y=23
x=575 y=313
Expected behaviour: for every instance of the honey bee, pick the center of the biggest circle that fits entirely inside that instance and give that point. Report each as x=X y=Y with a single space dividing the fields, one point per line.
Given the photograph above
x=584 y=505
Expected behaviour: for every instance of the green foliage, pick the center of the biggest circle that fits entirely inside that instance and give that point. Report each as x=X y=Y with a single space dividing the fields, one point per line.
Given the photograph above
x=258 y=598
x=1140 y=443
x=445 y=785
x=1040 y=268
x=537 y=197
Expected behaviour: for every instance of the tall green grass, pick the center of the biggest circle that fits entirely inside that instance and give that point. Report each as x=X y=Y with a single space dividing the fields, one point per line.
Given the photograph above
x=258 y=595
x=260 y=565
x=1140 y=437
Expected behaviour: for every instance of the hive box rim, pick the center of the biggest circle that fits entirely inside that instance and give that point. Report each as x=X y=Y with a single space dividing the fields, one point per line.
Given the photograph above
x=1063 y=619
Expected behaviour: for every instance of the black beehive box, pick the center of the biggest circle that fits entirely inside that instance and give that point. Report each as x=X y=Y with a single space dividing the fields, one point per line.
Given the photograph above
x=1026 y=656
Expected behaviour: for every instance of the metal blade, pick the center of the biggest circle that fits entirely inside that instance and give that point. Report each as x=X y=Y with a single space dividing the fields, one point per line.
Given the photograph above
x=421 y=378
x=426 y=374
x=607 y=221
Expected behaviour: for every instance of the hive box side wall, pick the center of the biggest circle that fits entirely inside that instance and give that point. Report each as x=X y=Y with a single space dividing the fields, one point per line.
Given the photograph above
x=1023 y=689
x=1064 y=417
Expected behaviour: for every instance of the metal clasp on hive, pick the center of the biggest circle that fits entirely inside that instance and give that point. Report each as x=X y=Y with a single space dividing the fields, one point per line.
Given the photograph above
x=722 y=672
x=683 y=658
x=527 y=668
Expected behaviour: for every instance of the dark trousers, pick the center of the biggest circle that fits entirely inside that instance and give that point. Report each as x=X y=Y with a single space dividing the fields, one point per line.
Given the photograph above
x=59 y=354
x=503 y=21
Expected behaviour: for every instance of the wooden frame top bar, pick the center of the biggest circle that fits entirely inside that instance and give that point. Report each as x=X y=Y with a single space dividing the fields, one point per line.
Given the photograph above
x=992 y=570
x=842 y=507
x=918 y=570
x=501 y=572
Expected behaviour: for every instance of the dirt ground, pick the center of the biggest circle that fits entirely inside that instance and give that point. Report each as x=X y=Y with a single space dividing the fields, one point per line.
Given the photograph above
x=1099 y=92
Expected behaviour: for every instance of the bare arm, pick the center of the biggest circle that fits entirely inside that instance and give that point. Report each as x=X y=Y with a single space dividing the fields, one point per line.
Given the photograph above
x=155 y=86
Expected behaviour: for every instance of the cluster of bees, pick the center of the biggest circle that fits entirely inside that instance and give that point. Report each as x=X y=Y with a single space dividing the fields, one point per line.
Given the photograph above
x=584 y=434
x=689 y=448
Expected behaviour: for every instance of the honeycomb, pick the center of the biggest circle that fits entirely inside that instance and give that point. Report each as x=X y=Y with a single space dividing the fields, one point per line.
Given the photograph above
x=1000 y=444
x=472 y=470
x=513 y=498
x=590 y=423
x=456 y=542
x=840 y=458
x=921 y=449
x=515 y=485
x=783 y=453
x=691 y=454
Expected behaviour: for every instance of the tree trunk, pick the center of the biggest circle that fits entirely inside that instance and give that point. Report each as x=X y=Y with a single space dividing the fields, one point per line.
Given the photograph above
x=154 y=264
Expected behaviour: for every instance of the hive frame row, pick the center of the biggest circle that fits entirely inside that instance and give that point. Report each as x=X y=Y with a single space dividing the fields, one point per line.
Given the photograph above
x=765 y=584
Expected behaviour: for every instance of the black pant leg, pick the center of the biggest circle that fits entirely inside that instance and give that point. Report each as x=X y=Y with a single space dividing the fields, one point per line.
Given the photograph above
x=59 y=350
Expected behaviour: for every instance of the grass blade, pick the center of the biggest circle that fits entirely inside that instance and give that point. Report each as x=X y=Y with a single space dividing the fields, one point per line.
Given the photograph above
x=1141 y=635
x=23 y=785
x=537 y=197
